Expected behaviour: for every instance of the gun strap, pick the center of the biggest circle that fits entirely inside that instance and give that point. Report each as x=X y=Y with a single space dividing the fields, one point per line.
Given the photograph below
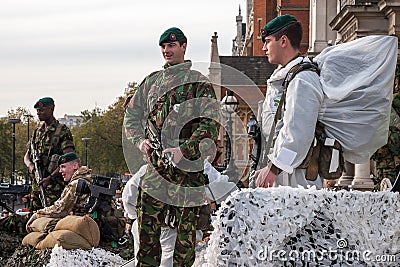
x=278 y=115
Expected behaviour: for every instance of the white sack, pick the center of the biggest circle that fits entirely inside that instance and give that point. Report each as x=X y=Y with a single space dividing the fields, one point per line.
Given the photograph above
x=357 y=78
x=219 y=188
x=129 y=194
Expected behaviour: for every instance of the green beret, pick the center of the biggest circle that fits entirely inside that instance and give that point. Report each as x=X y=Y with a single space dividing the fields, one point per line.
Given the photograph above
x=277 y=23
x=44 y=102
x=67 y=157
x=171 y=35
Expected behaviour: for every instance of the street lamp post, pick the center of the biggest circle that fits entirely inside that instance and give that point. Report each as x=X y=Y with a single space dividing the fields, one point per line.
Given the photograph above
x=13 y=121
x=86 y=140
x=28 y=117
x=229 y=106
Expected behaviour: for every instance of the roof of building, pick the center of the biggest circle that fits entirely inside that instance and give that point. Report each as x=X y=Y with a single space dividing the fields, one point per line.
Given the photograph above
x=256 y=70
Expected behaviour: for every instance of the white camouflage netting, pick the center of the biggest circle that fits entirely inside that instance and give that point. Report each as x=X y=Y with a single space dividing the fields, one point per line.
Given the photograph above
x=293 y=226
x=84 y=258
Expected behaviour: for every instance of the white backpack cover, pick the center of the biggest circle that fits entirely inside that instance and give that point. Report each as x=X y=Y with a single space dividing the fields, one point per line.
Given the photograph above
x=357 y=79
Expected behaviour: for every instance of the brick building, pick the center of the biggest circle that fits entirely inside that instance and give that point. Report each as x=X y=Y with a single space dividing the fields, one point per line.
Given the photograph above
x=325 y=22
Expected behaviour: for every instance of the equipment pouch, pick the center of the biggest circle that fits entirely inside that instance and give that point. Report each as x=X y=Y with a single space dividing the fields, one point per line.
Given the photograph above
x=53 y=163
x=325 y=157
x=331 y=161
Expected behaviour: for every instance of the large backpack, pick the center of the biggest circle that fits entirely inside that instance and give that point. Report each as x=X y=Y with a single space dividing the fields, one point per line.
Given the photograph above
x=357 y=79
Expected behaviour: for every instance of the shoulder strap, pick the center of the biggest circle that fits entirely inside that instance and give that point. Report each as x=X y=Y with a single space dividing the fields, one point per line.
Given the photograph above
x=302 y=66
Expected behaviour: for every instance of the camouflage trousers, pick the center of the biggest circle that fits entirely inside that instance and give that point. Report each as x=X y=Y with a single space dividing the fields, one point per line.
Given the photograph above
x=151 y=216
x=389 y=173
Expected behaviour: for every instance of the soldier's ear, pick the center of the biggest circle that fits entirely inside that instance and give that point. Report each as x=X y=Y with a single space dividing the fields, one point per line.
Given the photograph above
x=76 y=165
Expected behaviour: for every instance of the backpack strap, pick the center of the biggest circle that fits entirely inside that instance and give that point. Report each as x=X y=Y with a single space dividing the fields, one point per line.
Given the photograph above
x=302 y=66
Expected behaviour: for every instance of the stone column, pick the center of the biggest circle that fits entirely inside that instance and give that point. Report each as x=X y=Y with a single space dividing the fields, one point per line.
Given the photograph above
x=362 y=179
x=347 y=177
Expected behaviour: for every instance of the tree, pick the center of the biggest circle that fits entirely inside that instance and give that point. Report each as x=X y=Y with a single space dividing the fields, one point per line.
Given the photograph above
x=103 y=127
x=21 y=142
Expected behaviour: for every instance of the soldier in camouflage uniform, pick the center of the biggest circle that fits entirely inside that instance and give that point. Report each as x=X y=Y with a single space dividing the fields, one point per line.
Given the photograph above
x=160 y=100
x=52 y=140
x=68 y=203
x=387 y=158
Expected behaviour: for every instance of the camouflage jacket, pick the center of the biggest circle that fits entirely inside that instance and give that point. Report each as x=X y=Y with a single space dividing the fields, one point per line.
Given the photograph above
x=180 y=103
x=387 y=158
x=43 y=137
x=69 y=203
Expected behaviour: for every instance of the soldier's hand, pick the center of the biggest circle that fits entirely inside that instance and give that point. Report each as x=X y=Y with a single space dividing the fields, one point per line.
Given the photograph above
x=176 y=152
x=45 y=181
x=145 y=146
x=29 y=222
x=265 y=177
x=31 y=168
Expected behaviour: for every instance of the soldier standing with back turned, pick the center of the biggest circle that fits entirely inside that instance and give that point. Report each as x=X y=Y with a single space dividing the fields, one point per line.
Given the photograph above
x=52 y=139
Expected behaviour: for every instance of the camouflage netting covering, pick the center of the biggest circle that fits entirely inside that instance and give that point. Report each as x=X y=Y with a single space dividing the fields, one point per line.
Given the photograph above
x=12 y=253
x=290 y=227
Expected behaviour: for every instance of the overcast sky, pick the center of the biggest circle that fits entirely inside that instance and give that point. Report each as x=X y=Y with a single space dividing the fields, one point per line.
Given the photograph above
x=83 y=53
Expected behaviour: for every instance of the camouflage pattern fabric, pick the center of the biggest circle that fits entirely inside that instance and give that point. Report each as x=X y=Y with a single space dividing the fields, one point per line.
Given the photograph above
x=151 y=216
x=387 y=158
x=14 y=224
x=42 y=137
x=68 y=203
x=161 y=99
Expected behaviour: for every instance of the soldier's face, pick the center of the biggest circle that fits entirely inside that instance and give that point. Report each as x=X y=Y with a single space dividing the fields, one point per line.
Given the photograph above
x=68 y=169
x=44 y=113
x=272 y=49
x=173 y=53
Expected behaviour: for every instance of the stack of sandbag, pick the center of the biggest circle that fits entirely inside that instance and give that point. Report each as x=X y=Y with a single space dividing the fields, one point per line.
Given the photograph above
x=39 y=230
x=71 y=232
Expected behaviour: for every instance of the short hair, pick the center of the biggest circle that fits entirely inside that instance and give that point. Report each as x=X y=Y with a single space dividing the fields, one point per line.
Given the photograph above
x=294 y=33
x=182 y=41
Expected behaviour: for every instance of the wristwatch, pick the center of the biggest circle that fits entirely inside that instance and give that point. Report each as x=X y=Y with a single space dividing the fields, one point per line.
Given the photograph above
x=275 y=170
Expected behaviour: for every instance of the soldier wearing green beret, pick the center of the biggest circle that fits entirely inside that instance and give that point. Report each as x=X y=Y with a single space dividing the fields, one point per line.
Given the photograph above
x=295 y=128
x=52 y=139
x=68 y=203
x=160 y=101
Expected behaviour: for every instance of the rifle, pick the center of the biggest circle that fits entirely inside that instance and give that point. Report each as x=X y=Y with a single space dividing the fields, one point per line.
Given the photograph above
x=37 y=160
x=8 y=192
x=155 y=139
x=254 y=132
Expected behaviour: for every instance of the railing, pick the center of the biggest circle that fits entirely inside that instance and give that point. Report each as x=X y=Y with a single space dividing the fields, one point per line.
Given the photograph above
x=344 y=3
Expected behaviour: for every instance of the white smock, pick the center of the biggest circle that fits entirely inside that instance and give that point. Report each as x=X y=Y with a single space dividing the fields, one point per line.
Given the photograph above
x=295 y=132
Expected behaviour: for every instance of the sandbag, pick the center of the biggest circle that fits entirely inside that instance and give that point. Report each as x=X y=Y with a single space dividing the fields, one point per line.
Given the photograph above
x=33 y=238
x=64 y=238
x=43 y=224
x=81 y=225
x=357 y=79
